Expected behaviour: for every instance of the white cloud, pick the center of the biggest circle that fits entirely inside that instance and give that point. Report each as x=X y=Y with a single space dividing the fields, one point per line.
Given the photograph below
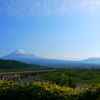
x=80 y=6
x=91 y=5
x=29 y=7
x=47 y=7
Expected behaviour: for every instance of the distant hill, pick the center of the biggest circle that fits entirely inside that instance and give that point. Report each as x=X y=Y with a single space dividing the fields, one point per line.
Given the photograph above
x=11 y=64
x=92 y=60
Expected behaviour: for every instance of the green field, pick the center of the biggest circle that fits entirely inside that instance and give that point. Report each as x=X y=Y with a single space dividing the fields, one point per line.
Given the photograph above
x=62 y=77
x=19 y=81
x=76 y=75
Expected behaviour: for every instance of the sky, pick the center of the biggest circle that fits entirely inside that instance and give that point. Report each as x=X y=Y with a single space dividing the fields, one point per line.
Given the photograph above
x=61 y=29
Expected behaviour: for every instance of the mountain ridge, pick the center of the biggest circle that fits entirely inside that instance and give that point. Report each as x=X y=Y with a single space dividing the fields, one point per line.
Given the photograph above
x=26 y=57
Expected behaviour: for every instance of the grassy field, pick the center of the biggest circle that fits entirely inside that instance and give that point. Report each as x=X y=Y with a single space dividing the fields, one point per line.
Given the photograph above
x=76 y=76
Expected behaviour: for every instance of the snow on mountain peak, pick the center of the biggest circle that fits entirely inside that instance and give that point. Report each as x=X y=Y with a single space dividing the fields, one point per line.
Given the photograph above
x=21 y=51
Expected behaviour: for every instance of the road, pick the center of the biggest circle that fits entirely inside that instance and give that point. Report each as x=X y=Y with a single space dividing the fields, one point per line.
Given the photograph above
x=25 y=72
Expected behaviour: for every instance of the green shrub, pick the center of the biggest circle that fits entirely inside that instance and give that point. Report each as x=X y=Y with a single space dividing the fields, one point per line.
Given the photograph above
x=36 y=91
x=45 y=91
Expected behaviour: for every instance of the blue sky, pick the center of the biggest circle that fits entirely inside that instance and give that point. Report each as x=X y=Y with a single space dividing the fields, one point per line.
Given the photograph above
x=62 y=29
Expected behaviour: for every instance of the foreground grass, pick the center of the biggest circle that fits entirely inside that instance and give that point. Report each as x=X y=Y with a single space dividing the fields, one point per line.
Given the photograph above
x=45 y=91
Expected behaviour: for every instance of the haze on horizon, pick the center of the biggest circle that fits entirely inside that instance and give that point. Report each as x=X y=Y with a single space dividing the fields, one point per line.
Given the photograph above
x=63 y=29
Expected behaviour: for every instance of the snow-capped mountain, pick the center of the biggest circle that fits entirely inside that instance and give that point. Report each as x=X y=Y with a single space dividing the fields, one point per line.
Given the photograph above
x=26 y=57
x=21 y=51
x=20 y=55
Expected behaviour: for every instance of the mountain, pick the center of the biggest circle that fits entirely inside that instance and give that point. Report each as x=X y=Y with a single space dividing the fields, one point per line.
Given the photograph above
x=92 y=60
x=20 y=55
x=26 y=57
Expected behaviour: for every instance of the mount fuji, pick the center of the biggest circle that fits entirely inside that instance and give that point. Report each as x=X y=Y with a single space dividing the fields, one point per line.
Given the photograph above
x=21 y=55
x=26 y=57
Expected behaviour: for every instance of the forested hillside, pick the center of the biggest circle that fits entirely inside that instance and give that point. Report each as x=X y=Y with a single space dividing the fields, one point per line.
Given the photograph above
x=11 y=64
